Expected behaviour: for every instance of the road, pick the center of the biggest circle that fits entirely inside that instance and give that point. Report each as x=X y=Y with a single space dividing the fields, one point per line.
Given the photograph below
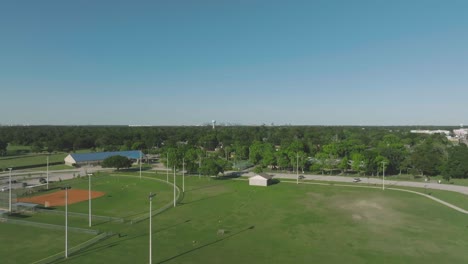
x=32 y=177
x=372 y=181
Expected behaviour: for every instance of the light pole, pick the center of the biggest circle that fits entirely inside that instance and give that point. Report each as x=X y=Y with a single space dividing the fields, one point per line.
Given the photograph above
x=89 y=197
x=140 y=163
x=167 y=171
x=297 y=168
x=47 y=172
x=174 y=188
x=183 y=175
x=9 y=189
x=66 y=219
x=383 y=175
x=151 y=195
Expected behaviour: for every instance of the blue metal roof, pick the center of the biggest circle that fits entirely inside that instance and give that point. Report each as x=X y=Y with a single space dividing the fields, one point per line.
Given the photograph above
x=83 y=157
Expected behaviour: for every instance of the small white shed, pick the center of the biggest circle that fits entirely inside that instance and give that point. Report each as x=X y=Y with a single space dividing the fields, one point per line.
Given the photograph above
x=260 y=179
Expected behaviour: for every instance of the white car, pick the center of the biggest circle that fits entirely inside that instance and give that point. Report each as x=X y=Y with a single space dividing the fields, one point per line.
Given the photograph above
x=4 y=189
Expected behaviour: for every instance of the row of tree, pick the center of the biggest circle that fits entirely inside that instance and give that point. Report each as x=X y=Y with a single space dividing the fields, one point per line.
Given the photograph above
x=363 y=150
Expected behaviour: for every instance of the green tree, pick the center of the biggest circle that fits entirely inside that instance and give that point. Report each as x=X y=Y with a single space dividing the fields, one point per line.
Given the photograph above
x=3 y=147
x=457 y=164
x=357 y=162
x=212 y=166
x=429 y=157
x=117 y=162
x=258 y=169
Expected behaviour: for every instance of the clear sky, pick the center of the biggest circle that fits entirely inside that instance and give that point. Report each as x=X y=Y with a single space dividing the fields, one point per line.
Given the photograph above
x=246 y=62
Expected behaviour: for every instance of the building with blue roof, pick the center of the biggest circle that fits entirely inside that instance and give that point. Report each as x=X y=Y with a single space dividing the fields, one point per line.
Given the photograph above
x=95 y=158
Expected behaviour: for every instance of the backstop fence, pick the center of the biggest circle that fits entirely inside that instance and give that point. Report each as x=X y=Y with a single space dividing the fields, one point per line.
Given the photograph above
x=5 y=200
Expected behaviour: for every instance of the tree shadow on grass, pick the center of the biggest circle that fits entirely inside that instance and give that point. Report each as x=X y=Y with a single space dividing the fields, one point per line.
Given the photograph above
x=209 y=244
x=205 y=187
x=205 y=198
x=123 y=237
x=134 y=169
x=230 y=176
x=274 y=181
x=19 y=216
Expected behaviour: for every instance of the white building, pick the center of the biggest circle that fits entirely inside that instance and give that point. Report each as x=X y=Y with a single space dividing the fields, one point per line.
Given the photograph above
x=260 y=179
x=461 y=133
x=431 y=132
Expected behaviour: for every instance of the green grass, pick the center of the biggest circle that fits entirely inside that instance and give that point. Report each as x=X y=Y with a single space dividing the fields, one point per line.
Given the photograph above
x=26 y=244
x=17 y=150
x=284 y=223
x=52 y=168
x=30 y=160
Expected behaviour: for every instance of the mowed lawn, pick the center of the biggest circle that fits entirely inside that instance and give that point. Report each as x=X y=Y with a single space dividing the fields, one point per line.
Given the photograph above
x=287 y=223
x=30 y=160
x=26 y=244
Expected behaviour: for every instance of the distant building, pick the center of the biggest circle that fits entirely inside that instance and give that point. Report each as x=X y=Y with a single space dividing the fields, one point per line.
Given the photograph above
x=431 y=132
x=260 y=179
x=461 y=133
x=95 y=158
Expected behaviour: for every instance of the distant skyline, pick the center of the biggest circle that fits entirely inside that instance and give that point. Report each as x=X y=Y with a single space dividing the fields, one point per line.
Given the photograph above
x=240 y=62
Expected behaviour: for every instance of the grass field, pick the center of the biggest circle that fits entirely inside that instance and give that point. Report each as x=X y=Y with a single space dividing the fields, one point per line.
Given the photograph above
x=26 y=244
x=30 y=160
x=284 y=223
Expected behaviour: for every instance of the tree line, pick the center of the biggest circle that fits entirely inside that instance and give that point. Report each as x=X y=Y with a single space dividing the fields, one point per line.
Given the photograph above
x=320 y=149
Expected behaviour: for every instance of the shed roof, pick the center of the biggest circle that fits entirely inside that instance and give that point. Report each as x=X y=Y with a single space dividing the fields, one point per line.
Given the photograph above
x=264 y=175
x=82 y=157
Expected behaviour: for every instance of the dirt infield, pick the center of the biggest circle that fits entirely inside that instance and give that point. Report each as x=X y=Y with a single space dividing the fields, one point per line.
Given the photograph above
x=58 y=198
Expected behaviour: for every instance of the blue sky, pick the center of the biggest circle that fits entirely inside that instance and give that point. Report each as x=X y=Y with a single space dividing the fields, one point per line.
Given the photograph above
x=244 y=62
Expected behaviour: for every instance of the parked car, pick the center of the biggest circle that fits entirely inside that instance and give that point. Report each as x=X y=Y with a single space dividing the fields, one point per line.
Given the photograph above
x=4 y=189
x=356 y=180
x=42 y=180
x=301 y=177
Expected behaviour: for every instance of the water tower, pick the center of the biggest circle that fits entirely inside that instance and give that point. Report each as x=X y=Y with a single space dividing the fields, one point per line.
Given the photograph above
x=213 y=122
